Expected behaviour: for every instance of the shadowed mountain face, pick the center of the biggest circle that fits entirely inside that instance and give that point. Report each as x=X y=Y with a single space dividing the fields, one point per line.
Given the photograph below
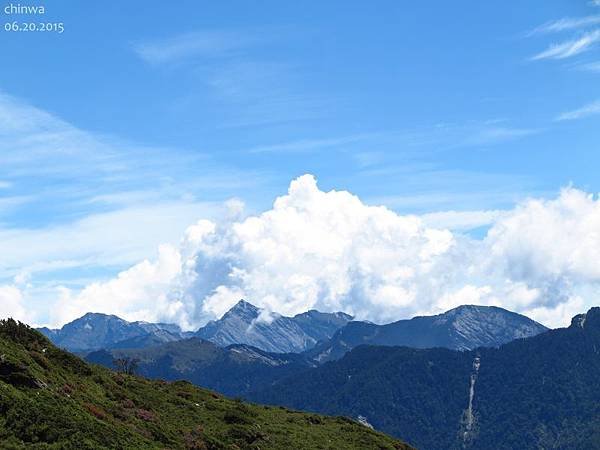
x=247 y=324
x=235 y=370
x=94 y=331
x=533 y=393
x=462 y=328
x=243 y=370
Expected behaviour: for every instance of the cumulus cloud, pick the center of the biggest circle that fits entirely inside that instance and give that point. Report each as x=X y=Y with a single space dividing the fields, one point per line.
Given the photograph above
x=11 y=303
x=330 y=251
x=557 y=241
x=138 y=293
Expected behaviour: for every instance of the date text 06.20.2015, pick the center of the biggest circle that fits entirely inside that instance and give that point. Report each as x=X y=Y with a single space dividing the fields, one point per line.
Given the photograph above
x=51 y=27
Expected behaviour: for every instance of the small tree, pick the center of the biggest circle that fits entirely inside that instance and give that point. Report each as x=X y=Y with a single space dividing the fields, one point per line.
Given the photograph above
x=126 y=365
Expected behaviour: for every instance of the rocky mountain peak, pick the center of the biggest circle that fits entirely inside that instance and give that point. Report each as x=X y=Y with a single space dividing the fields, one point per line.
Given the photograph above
x=97 y=316
x=588 y=320
x=243 y=309
x=280 y=334
x=96 y=330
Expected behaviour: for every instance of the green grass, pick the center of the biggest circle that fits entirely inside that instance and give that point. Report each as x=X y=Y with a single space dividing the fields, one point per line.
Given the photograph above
x=50 y=399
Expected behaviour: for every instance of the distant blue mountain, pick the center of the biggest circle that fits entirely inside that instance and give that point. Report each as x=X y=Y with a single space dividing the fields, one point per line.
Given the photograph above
x=322 y=336
x=462 y=328
x=94 y=331
x=240 y=325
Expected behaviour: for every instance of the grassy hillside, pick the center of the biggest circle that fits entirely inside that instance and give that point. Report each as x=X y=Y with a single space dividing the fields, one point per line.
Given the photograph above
x=234 y=371
x=50 y=399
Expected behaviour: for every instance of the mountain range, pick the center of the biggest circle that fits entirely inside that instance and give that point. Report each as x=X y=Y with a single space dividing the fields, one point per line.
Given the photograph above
x=241 y=370
x=472 y=377
x=242 y=324
x=541 y=392
x=462 y=328
x=321 y=336
x=95 y=331
x=51 y=399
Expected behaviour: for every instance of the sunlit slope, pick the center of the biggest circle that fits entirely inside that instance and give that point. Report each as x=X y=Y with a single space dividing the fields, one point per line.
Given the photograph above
x=51 y=399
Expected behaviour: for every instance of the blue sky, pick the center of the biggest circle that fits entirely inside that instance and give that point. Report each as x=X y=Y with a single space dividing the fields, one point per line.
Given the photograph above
x=143 y=117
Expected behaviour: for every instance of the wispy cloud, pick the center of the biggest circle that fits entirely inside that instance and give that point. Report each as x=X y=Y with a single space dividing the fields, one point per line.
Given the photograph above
x=580 y=113
x=497 y=134
x=366 y=159
x=9 y=203
x=447 y=136
x=230 y=69
x=134 y=231
x=590 y=67
x=63 y=187
x=253 y=91
x=196 y=44
x=304 y=145
x=565 y=24
x=429 y=188
x=38 y=147
x=570 y=48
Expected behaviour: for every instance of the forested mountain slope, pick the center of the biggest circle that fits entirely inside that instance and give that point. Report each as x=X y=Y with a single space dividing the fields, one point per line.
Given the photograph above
x=50 y=399
x=537 y=393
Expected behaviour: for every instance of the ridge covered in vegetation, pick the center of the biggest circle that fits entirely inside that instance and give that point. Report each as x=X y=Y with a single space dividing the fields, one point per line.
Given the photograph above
x=51 y=399
x=541 y=392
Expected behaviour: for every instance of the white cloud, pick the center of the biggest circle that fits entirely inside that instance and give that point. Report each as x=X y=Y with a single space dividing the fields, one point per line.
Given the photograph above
x=99 y=239
x=11 y=303
x=557 y=242
x=330 y=251
x=467 y=295
x=72 y=197
x=580 y=113
x=570 y=48
x=567 y=23
x=136 y=294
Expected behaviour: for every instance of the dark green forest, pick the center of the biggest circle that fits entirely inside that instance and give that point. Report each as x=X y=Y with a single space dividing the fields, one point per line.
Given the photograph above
x=537 y=393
